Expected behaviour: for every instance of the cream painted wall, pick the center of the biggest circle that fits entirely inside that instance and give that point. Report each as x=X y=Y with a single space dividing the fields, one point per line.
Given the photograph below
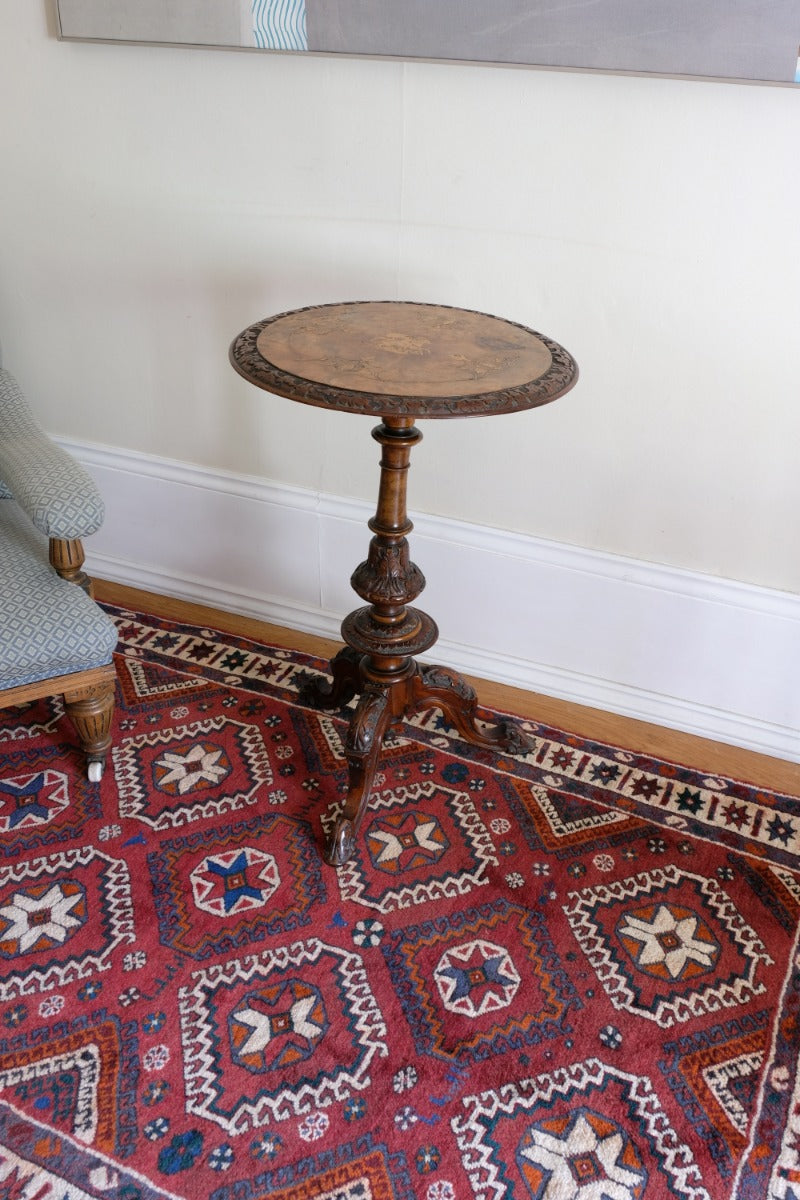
x=154 y=201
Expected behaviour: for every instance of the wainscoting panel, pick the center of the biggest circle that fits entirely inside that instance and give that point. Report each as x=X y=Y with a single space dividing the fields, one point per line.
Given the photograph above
x=710 y=656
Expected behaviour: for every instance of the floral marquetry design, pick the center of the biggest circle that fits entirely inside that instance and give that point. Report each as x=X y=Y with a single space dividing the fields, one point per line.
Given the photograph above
x=387 y=358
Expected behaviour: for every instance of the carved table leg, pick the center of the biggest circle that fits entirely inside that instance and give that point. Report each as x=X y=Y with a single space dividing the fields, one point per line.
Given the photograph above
x=362 y=748
x=439 y=687
x=345 y=682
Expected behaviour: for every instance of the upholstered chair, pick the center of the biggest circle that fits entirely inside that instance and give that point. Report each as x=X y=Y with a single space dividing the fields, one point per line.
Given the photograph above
x=54 y=639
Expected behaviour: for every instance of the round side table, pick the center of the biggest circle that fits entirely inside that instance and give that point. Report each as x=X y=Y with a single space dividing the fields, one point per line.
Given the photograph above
x=399 y=361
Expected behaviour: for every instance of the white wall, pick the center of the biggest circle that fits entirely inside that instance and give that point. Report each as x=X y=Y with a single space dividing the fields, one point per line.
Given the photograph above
x=154 y=201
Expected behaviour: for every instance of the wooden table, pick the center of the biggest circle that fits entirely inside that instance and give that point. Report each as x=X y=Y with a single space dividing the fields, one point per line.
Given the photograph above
x=398 y=361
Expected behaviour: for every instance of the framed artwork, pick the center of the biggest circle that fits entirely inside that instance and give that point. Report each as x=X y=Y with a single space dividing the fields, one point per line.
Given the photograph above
x=753 y=40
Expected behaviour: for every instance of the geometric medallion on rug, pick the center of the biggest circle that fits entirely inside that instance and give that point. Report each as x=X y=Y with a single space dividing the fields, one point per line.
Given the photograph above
x=569 y=973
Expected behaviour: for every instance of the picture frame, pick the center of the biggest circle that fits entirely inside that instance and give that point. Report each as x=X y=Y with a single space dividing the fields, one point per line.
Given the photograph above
x=752 y=40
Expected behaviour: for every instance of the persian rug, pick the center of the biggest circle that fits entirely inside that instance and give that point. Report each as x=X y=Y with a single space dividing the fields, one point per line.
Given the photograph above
x=569 y=975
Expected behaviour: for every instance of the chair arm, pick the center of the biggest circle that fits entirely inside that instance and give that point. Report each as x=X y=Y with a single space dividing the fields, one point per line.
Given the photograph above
x=56 y=492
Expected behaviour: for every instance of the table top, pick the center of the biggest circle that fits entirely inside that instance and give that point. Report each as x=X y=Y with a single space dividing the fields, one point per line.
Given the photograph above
x=400 y=357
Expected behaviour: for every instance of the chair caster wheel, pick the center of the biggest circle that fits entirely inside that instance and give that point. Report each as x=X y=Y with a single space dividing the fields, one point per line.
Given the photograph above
x=95 y=772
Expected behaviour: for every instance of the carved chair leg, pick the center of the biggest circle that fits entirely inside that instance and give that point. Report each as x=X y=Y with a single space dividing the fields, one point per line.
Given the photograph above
x=91 y=710
x=67 y=558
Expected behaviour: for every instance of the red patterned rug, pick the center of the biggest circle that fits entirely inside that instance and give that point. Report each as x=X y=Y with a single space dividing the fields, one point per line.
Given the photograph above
x=572 y=974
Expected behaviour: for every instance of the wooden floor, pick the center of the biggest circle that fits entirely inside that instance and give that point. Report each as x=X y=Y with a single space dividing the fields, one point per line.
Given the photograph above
x=713 y=757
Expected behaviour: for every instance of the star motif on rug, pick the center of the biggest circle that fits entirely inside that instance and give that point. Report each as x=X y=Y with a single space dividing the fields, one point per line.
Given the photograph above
x=36 y=799
x=395 y=844
x=400 y=842
x=668 y=941
x=475 y=978
x=229 y=882
x=585 y=1157
x=277 y=1026
x=25 y=800
x=36 y=921
x=266 y=1026
x=203 y=764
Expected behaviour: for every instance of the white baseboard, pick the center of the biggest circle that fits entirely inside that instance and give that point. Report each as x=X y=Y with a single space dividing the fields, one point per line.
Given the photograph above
x=689 y=651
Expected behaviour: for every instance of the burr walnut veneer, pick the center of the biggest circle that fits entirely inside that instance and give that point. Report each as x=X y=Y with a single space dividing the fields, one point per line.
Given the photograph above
x=398 y=361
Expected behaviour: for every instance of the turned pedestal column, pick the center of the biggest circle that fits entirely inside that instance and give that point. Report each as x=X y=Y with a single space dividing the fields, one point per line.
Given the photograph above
x=378 y=662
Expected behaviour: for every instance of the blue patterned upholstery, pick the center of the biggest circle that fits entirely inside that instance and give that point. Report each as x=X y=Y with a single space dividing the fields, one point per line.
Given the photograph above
x=55 y=491
x=47 y=625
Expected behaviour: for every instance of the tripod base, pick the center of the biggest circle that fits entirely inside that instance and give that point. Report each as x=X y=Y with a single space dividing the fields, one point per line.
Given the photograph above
x=382 y=701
